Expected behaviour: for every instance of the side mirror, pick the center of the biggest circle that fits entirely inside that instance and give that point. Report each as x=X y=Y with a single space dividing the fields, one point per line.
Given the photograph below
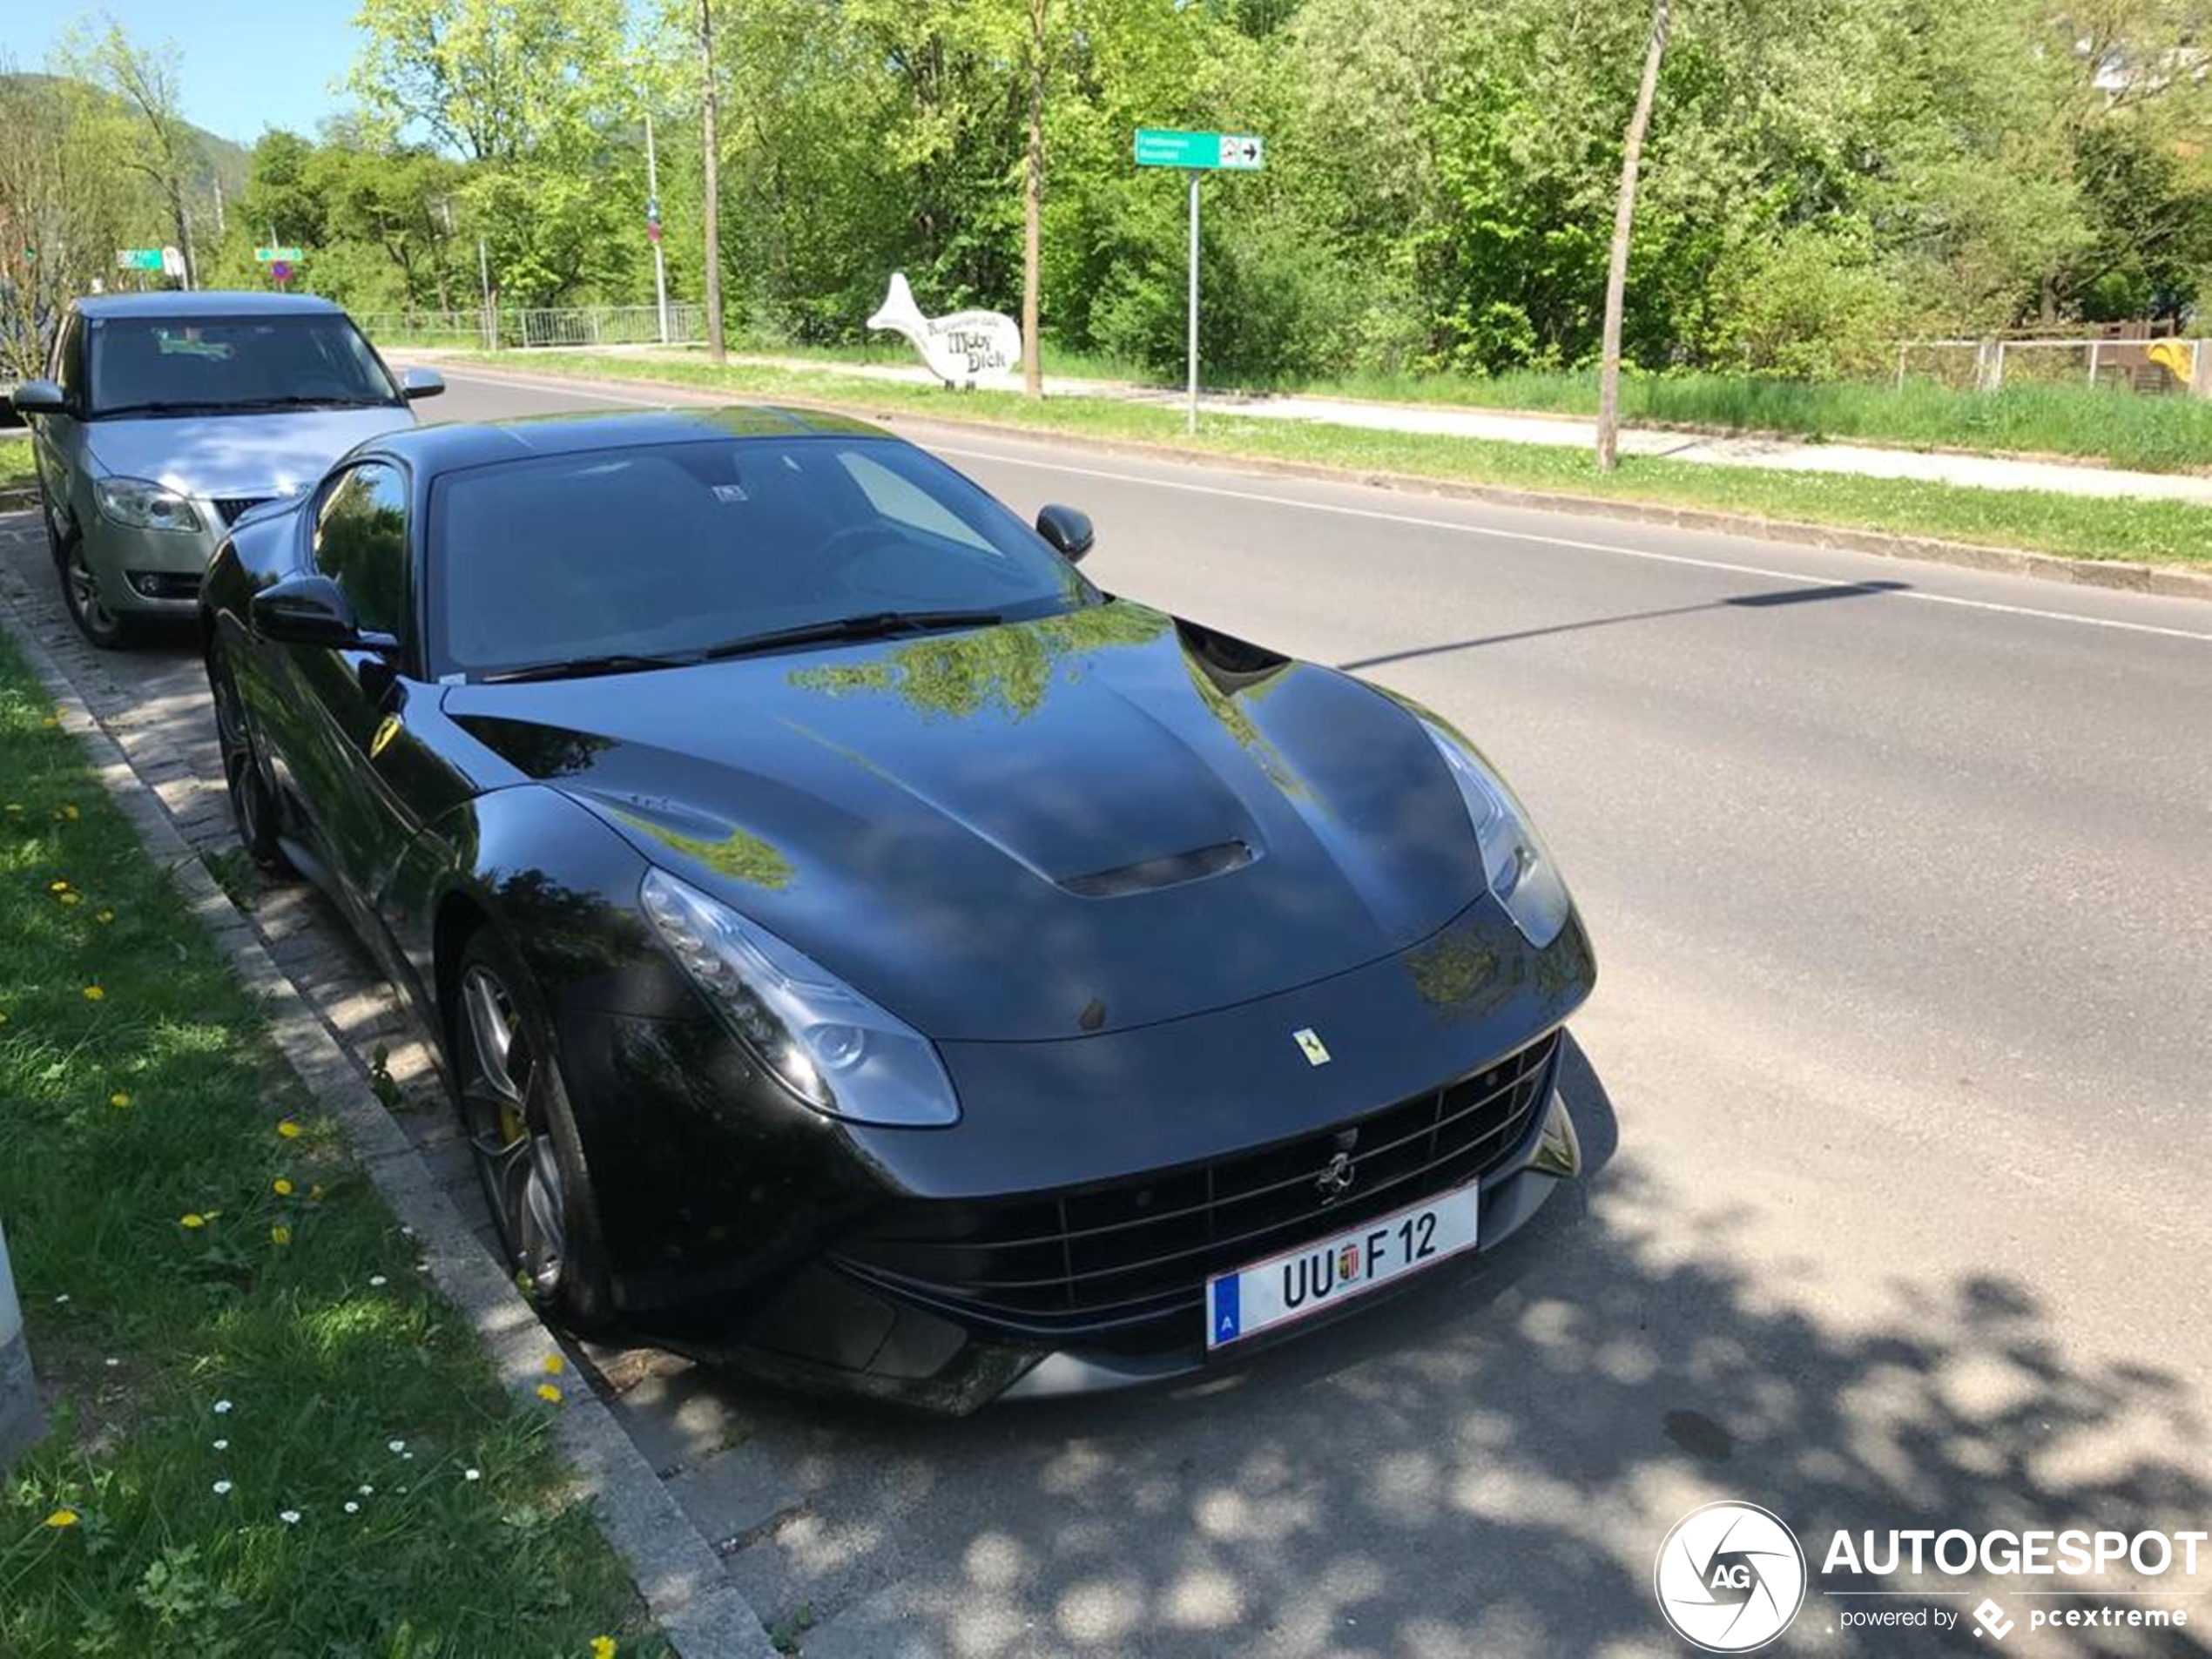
x=38 y=397
x=1066 y=530
x=305 y=611
x=421 y=384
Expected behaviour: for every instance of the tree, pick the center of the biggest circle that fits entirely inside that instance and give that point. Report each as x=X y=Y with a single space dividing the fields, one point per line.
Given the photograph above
x=1616 y=273
x=711 y=212
x=1031 y=206
x=67 y=202
x=143 y=81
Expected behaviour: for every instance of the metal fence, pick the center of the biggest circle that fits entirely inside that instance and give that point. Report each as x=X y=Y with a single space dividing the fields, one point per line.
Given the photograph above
x=536 y=327
x=2147 y=366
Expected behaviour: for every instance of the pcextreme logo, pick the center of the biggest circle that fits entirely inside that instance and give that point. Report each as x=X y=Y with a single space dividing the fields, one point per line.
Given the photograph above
x=1729 y=1577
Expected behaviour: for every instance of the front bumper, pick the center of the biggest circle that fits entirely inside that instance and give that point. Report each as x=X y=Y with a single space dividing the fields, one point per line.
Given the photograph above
x=154 y=573
x=914 y=1263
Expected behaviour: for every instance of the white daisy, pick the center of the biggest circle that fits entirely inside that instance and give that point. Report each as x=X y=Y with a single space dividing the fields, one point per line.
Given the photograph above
x=222 y=1446
x=351 y=1508
x=222 y=1408
x=289 y=1517
x=377 y=1281
x=395 y=1447
x=472 y=1474
x=222 y=1488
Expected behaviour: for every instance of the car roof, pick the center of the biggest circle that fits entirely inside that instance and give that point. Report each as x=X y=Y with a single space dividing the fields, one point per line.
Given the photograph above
x=205 y=303
x=430 y=451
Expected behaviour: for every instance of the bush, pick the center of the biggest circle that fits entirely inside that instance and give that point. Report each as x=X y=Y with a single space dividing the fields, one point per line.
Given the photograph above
x=1810 y=304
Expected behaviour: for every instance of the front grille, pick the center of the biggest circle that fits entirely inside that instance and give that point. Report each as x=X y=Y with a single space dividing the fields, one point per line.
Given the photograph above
x=1131 y=1251
x=232 y=508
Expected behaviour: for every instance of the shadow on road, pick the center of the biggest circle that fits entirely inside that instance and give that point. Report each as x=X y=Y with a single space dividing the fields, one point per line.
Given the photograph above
x=1741 y=601
x=1484 y=1466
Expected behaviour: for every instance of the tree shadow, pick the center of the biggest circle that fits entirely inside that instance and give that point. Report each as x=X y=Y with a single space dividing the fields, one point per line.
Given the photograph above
x=1486 y=1464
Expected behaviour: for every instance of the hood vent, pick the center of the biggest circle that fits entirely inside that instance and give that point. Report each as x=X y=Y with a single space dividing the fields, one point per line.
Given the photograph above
x=1169 y=872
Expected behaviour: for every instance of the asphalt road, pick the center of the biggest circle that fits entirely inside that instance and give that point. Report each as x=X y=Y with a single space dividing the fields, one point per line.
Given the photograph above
x=1895 y=1087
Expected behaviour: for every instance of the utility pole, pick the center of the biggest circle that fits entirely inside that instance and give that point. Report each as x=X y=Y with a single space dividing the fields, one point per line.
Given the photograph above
x=1616 y=275
x=712 y=216
x=652 y=230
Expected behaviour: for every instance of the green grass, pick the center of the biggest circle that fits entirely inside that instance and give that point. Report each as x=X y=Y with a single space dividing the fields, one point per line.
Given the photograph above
x=15 y=462
x=2151 y=433
x=162 y=1099
x=2081 y=526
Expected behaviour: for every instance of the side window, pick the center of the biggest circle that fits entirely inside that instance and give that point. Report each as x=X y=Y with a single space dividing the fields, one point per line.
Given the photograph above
x=67 y=369
x=361 y=544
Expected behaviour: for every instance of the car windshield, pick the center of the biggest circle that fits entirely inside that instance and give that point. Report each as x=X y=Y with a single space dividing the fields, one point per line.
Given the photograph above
x=624 y=556
x=203 y=365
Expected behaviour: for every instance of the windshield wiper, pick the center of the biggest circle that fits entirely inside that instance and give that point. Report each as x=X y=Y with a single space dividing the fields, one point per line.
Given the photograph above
x=330 y=402
x=193 y=407
x=875 y=625
x=579 y=667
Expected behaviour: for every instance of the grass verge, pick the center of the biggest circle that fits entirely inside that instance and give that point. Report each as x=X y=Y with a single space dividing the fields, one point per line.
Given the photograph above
x=270 y=1435
x=15 y=463
x=2082 y=527
x=2107 y=423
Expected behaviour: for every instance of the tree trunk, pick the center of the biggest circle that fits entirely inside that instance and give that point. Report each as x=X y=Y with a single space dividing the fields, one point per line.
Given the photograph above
x=711 y=215
x=1616 y=274
x=1032 y=199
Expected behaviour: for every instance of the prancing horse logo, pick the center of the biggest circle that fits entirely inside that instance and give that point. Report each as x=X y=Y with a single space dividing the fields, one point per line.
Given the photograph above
x=1335 y=1179
x=1311 y=1046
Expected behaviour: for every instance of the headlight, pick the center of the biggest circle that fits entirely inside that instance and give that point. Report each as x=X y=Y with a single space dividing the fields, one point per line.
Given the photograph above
x=828 y=1044
x=1521 y=874
x=145 y=505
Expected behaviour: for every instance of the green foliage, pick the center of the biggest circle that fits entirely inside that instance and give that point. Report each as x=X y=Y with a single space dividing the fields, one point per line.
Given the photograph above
x=232 y=1326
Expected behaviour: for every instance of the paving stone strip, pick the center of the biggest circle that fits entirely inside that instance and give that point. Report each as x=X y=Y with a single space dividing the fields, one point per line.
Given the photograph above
x=142 y=719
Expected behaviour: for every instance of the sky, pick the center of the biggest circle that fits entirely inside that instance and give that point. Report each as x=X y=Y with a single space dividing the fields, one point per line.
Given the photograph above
x=247 y=65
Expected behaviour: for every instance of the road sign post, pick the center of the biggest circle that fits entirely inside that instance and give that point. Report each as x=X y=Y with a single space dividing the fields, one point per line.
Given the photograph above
x=1197 y=153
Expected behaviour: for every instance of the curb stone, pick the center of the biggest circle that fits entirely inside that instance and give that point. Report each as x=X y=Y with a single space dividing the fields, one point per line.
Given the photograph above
x=689 y=1597
x=2172 y=582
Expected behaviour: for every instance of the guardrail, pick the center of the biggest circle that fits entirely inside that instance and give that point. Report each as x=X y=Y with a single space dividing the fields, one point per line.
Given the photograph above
x=2148 y=366
x=524 y=328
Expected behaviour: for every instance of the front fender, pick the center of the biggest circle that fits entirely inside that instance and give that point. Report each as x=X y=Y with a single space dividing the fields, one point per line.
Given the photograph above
x=557 y=882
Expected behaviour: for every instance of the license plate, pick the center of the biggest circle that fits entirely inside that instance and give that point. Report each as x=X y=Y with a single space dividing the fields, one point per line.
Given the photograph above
x=1329 y=1272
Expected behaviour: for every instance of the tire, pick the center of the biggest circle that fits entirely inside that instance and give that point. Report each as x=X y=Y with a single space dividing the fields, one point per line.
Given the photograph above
x=523 y=1138
x=254 y=808
x=109 y=630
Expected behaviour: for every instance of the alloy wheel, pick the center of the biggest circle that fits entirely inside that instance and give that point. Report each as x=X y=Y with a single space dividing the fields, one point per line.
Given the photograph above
x=503 y=1114
x=83 y=589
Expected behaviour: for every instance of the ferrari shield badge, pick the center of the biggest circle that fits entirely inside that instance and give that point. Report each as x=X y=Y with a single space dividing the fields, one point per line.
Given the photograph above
x=1316 y=1052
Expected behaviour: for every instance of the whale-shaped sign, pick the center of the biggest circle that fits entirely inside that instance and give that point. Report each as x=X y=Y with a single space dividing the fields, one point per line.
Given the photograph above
x=964 y=349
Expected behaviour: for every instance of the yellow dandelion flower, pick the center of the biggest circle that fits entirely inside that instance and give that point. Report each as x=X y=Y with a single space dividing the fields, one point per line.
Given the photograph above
x=548 y=1394
x=72 y=898
x=602 y=1648
x=57 y=887
x=94 y=993
x=280 y=1234
x=289 y=1129
x=51 y=719
x=104 y=917
x=62 y=1517
x=119 y=1098
x=193 y=1221
x=281 y=1187
x=69 y=810
x=555 y=1365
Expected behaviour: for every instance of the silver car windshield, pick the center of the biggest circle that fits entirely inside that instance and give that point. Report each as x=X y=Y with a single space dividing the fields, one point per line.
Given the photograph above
x=232 y=365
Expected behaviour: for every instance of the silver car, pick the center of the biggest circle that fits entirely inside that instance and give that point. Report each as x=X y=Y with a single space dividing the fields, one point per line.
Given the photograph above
x=166 y=415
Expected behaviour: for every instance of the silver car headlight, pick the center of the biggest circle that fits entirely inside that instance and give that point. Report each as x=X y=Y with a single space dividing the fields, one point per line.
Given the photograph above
x=828 y=1044
x=145 y=505
x=1520 y=872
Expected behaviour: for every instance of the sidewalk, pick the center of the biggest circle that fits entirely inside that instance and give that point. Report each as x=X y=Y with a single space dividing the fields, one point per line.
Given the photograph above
x=1980 y=472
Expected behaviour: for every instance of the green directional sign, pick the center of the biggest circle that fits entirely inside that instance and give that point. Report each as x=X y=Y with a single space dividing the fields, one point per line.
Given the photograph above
x=278 y=256
x=137 y=259
x=1200 y=151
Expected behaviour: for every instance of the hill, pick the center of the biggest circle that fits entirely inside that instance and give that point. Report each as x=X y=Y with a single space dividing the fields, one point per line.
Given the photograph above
x=225 y=162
